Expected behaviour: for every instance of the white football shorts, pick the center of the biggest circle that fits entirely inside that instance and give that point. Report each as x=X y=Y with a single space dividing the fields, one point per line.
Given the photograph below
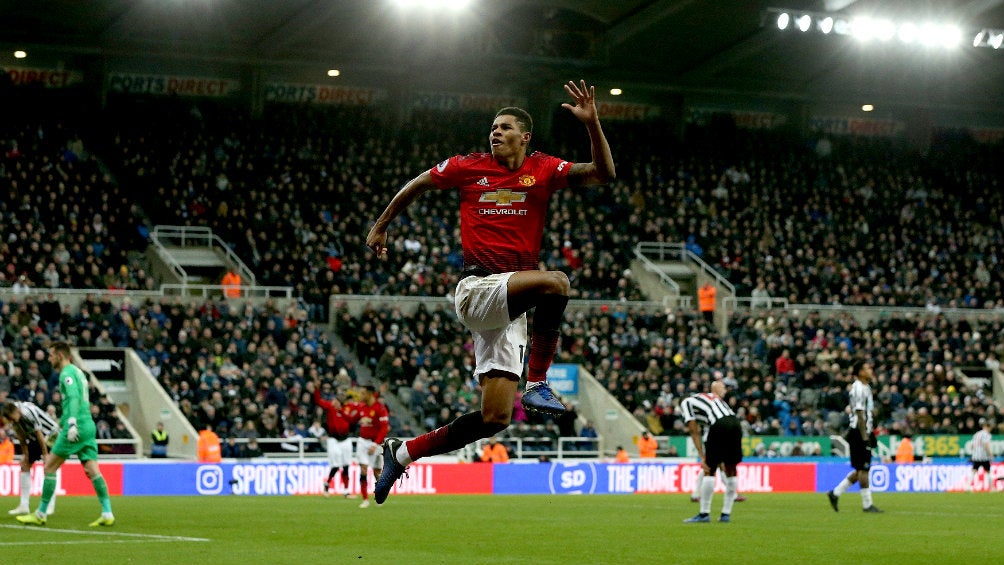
x=339 y=452
x=482 y=305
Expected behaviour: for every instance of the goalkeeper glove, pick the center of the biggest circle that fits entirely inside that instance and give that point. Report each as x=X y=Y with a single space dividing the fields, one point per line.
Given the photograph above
x=72 y=433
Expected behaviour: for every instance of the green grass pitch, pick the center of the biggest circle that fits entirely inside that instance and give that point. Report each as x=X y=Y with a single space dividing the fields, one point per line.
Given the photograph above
x=963 y=528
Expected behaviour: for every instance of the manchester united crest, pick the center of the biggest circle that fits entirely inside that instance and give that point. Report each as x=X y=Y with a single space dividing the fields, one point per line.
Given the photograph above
x=527 y=180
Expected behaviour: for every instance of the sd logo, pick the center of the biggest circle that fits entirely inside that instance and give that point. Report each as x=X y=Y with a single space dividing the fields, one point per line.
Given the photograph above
x=573 y=478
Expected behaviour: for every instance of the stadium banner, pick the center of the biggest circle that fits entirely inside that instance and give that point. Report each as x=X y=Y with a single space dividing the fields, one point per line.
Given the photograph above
x=986 y=135
x=48 y=78
x=943 y=445
x=588 y=477
x=626 y=111
x=746 y=119
x=564 y=379
x=172 y=85
x=464 y=102
x=105 y=364
x=864 y=127
x=70 y=479
x=811 y=445
x=909 y=477
x=256 y=478
x=323 y=94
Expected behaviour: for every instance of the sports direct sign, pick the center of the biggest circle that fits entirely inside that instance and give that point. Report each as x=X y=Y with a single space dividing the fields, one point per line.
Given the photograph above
x=277 y=478
x=642 y=478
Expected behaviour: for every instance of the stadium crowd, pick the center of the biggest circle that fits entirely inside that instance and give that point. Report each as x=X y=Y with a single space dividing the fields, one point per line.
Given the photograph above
x=868 y=223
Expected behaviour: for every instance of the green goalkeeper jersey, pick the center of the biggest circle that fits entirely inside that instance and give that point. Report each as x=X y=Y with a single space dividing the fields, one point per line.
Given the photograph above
x=73 y=387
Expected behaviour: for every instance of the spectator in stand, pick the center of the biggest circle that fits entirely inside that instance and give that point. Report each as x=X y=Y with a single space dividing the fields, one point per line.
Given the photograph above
x=231 y=284
x=647 y=446
x=904 y=451
x=706 y=300
x=494 y=452
x=209 y=445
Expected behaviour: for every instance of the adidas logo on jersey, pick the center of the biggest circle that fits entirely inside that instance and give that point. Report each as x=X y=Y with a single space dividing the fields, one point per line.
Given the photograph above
x=483 y=181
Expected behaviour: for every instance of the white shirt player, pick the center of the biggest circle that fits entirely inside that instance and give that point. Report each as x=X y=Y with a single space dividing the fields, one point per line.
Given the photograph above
x=861 y=399
x=981 y=443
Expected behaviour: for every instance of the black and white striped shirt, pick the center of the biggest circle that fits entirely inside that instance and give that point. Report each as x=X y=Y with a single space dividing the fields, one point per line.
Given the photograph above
x=34 y=418
x=861 y=400
x=981 y=448
x=705 y=408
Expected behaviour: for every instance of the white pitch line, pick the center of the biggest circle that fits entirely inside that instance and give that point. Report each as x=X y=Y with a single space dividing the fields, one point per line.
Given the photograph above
x=83 y=542
x=146 y=537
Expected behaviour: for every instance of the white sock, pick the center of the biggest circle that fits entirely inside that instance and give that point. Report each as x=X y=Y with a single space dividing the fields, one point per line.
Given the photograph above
x=866 y=497
x=25 y=487
x=707 y=491
x=842 y=487
x=972 y=479
x=697 y=485
x=731 y=487
x=402 y=455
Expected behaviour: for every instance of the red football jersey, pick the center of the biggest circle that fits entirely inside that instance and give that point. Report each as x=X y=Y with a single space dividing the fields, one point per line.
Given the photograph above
x=373 y=419
x=502 y=212
x=338 y=424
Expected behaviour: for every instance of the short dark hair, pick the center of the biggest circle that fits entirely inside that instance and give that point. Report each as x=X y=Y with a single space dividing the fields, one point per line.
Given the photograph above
x=522 y=117
x=858 y=366
x=8 y=409
x=369 y=388
x=61 y=347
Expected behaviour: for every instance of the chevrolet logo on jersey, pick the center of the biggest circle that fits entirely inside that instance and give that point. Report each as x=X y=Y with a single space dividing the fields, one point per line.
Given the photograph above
x=503 y=197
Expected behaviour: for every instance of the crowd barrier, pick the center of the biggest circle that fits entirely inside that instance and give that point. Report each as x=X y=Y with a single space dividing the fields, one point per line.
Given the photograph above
x=262 y=477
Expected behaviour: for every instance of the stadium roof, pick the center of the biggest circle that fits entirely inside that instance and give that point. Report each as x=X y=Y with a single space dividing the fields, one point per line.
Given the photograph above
x=695 y=46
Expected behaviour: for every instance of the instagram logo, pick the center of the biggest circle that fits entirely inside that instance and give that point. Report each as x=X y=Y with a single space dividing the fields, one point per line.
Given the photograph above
x=878 y=476
x=209 y=479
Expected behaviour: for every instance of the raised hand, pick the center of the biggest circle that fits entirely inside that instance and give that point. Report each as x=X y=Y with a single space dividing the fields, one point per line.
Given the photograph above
x=585 y=101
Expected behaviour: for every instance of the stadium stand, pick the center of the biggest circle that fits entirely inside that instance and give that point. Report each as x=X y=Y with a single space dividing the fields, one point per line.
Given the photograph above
x=869 y=224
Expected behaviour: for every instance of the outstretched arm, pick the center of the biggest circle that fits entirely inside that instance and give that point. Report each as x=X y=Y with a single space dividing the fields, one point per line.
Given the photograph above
x=377 y=238
x=601 y=170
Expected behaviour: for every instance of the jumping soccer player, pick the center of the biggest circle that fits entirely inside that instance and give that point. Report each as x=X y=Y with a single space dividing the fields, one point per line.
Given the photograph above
x=503 y=204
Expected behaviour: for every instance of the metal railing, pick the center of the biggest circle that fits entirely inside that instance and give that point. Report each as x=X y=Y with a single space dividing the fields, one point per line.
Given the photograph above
x=674 y=287
x=534 y=447
x=195 y=236
x=114 y=448
x=665 y=251
x=207 y=290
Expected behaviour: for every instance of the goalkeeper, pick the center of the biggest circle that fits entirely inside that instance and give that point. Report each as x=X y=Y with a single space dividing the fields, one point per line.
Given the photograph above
x=78 y=437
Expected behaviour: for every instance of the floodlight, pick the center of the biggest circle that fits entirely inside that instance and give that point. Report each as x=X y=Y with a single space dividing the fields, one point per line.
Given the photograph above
x=334 y=72
x=949 y=36
x=783 y=20
x=826 y=25
x=804 y=22
x=867 y=108
x=884 y=30
x=20 y=54
x=908 y=33
x=616 y=92
x=928 y=34
x=862 y=28
x=997 y=40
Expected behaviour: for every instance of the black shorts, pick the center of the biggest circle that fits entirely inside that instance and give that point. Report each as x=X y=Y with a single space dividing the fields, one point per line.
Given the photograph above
x=984 y=464
x=861 y=452
x=724 y=443
x=34 y=450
